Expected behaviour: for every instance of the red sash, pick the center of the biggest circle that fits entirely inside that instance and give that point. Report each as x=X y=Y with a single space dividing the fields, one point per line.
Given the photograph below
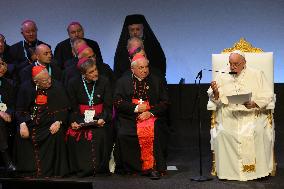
x=145 y=132
x=87 y=134
x=98 y=108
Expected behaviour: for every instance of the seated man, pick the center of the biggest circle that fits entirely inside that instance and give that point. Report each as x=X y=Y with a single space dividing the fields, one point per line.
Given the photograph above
x=243 y=138
x=91 y=99
x=84 y=51
x=63 y=50
x=76 y=43
x=43 y=55
x=19 y=52
x=6 y=111
x=141 y=101
x=135 y=46
x=41 y=111
x=137 y=26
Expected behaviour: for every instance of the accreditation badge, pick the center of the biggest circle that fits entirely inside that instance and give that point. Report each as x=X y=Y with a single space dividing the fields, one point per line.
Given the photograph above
x=3 y=107
x=89 y=115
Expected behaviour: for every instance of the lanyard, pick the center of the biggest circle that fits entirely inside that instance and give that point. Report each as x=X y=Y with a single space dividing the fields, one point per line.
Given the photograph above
x=25 y=51
x=49 y=67
x=90 y=96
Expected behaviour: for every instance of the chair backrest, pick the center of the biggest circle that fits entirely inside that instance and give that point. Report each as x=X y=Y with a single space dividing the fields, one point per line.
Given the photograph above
x=262 y=61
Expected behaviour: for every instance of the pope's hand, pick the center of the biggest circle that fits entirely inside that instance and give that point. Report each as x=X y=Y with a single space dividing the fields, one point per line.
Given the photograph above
x=250 y=104
x=214 y=87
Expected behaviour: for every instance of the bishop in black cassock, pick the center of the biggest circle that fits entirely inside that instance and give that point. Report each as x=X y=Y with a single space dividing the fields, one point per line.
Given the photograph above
x=139 y=145
x=41 y=111
x=89 y=146
x=6 y=115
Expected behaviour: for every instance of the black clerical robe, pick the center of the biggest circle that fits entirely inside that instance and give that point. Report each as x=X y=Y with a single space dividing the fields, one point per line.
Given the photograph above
x=6 y=97
x=26 y=73
x=42 y=154
x=156 y=57
x=153 y=90
x=152 y=47
x=63 y=51
x=90 y=147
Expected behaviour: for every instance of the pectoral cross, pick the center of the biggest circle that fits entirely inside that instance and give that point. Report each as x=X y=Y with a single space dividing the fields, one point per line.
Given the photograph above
x=140 y=101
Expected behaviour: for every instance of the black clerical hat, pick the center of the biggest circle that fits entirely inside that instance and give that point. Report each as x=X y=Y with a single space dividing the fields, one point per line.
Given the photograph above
x=135 y=19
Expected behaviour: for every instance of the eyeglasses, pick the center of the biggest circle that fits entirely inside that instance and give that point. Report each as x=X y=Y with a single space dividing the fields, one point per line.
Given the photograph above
x=235 y=64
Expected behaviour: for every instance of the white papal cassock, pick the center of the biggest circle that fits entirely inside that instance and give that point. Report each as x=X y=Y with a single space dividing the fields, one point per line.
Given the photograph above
x=242 y=139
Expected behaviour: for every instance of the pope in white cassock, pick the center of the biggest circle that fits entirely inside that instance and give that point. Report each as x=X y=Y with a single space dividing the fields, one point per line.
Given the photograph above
x=243 y=138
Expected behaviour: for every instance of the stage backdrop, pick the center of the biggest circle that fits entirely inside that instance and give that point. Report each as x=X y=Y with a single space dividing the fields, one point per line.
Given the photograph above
x=188 y=30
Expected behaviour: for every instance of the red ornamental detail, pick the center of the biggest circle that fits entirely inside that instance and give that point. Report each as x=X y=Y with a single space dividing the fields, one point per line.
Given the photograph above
x=140 y=101
x=41 y=99
x=87 y=134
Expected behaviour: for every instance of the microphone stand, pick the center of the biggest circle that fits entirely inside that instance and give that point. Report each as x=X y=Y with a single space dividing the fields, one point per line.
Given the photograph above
x=199 y=178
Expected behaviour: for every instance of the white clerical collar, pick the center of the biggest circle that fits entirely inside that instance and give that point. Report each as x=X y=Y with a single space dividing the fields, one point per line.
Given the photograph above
x=139 y=79
x=37 y=63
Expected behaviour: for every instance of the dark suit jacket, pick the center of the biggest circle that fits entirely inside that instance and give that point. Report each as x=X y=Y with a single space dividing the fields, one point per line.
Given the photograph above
x=63 y=51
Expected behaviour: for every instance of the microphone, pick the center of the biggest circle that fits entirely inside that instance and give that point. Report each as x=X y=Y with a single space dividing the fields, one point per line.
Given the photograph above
x=199 y=75
x=232 y=73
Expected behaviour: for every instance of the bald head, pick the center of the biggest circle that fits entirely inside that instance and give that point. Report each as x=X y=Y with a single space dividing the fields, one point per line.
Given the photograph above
x=43 y=54
x=29 y=31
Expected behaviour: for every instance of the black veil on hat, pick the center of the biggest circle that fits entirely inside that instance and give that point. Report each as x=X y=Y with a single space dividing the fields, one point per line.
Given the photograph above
x=136 y=19
x=152 y=46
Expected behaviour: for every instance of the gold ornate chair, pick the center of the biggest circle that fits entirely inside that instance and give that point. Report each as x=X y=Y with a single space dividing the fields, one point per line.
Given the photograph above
x=256 y=58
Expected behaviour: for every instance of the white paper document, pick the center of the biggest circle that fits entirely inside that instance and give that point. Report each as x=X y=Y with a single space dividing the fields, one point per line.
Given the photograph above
x=239 y=99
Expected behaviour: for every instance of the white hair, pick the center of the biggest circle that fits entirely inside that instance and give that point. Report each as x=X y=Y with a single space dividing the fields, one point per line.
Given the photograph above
x=239 y=53
x=134 y=63
x=134 y=39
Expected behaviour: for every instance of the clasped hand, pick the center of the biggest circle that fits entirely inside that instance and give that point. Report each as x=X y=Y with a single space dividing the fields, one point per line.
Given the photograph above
x=250 y=104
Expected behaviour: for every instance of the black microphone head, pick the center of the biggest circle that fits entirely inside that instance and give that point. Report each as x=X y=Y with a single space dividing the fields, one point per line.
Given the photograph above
x=233 y=72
